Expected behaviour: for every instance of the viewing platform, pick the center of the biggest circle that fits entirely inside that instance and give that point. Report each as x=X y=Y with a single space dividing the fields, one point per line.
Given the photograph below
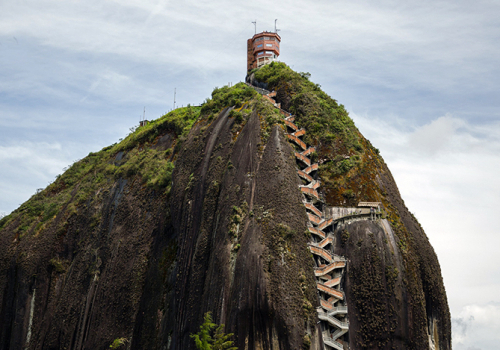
x=346 y=212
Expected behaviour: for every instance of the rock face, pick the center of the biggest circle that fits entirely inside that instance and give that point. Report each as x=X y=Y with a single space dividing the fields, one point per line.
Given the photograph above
x=393 y=284
x=243 y=257
x=202 y=211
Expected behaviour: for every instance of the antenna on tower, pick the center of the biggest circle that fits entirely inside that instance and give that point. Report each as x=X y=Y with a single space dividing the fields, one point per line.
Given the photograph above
x=144 y=114
x=276 y=30
x=175 y=90
x=255 y=24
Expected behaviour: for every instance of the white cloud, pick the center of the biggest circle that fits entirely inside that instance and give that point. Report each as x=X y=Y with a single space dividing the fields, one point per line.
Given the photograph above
x=110 y=84
x=447 y=173
x=28 y=166
x=34 y=153
x=433 y=137
x=477 y=327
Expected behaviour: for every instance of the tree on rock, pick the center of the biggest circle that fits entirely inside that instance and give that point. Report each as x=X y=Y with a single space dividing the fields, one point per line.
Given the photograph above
x=219 y=341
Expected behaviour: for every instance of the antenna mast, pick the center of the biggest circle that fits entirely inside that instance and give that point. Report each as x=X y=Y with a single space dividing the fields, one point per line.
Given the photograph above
x=255 y=24
x=175 y=90
x=144 y=114
x=276 y=30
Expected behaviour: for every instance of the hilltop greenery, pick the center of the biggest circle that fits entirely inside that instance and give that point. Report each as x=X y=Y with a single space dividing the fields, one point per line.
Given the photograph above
x=225 y=96
x=134 y=158
x=244 y=99
x=131 y=158
x=345 y=157
x=329 y=128
x=324 y=119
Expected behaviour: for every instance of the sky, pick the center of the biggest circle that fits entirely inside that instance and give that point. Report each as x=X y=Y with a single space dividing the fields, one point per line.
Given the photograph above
x=420 y=79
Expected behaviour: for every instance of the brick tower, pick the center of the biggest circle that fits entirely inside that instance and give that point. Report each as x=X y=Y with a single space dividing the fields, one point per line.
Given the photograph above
x=262 y=48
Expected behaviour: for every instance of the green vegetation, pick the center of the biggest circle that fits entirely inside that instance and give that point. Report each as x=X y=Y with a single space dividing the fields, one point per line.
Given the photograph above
x=269 y=116
x=133 y=158
x=391 y=276
x=244 y=99
x=179 y=121
x=325 y=120
x=117 y=343
x=152 y=166
x=226 y=96
x=238 y=116
x=344 y=155
x=344 y=237
x=208 y=339
x=237 y=217
x=59 y=265
x=284 y=231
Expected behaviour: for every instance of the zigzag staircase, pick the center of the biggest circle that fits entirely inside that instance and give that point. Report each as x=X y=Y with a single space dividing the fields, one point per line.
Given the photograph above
x=329 y=269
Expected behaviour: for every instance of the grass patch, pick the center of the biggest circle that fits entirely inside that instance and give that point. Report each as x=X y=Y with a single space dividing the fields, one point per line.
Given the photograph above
x=85 y=178
x=118 y=343
x=236 y=95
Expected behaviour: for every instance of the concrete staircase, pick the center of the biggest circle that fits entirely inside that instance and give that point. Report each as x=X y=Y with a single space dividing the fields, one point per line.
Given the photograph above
x=329 y=266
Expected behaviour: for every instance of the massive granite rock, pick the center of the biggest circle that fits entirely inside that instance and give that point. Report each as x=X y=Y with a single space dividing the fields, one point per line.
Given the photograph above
x=121 y=247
